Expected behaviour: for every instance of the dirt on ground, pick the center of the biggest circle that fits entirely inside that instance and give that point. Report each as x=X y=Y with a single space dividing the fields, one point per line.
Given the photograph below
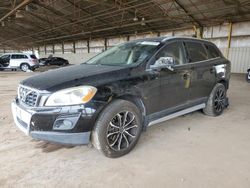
x=190 y=151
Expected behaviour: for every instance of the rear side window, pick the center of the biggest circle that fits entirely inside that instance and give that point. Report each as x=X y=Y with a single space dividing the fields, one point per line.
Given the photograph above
x=33 y=56
x=196 y=52
x=212 y=51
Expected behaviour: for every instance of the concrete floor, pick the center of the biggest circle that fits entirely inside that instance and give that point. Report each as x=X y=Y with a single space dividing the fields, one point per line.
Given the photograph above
x=214 y=152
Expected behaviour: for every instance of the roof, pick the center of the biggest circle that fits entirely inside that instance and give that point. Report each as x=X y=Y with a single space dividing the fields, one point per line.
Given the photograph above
x=165 y=39
x=16 y=54
x=26 y=23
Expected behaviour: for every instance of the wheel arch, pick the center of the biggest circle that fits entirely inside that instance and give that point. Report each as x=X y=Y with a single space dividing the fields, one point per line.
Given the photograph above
x=135 y=100
x=24 y=63
x=224 y=82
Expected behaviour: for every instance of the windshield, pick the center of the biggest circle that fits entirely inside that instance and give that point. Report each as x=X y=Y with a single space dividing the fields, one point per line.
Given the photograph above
x=125 y=54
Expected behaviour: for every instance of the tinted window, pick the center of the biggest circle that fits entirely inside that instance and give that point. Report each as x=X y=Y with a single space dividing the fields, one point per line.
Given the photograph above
x=5 y=57
x=174 y=50
x=33 y=56
x=18 y=56
x=196 y=52
x=212 y=51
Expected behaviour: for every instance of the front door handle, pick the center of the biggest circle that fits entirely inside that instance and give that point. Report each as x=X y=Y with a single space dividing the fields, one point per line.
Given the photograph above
x=186 y=76
x=212 y=70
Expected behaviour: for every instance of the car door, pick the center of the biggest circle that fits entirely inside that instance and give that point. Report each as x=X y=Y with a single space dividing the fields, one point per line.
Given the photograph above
x=203 y=73
x=53 y=61
x=16 y=60
x=5 y=60
x=174 y=86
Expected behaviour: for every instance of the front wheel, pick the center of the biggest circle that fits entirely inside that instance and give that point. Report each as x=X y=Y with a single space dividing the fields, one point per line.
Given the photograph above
x=217 y=101
x=117 y=129
x=248 y=76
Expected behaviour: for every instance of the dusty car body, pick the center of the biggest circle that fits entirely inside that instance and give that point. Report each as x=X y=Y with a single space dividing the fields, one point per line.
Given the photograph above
x=159 y=87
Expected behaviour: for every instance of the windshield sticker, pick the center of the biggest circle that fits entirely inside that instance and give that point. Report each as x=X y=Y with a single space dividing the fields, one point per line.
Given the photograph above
x=150 y=43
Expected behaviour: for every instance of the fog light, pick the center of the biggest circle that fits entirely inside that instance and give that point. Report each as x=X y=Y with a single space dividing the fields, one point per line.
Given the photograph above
x=66 y=122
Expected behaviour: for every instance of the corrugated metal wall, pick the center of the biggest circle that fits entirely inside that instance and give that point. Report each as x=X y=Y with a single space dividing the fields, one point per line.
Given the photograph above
x=240 y=59
x=239 y=53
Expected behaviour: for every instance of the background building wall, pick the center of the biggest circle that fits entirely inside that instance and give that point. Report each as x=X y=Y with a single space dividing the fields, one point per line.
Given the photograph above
x=238 y=53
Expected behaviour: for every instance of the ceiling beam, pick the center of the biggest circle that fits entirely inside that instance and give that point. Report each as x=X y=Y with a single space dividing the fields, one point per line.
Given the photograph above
x=25 y=2
x=188 y=14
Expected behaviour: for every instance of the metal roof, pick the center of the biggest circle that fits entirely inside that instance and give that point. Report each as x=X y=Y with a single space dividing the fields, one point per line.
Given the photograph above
x=26 y=23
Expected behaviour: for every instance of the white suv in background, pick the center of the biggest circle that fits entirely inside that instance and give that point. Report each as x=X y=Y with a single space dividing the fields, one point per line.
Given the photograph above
x=18 y=61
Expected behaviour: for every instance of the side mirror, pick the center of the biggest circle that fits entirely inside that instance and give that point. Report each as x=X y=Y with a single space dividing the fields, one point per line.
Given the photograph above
x=164 y=63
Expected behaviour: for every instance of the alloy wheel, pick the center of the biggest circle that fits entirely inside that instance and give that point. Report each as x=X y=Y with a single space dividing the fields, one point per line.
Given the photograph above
x=122 y=131
x=25 y=67
x=219 y=101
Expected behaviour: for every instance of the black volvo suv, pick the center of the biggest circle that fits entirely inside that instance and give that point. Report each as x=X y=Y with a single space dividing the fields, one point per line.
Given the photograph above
x=112 y=97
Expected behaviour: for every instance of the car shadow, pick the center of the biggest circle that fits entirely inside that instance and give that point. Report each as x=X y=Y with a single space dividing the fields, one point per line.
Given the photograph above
x=47 y=147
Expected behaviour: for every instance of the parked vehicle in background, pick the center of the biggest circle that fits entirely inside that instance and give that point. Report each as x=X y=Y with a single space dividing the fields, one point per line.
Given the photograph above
x=21 y=61
x=42 y=61
x=53 y=61
x=112 y=97
x=248 y=75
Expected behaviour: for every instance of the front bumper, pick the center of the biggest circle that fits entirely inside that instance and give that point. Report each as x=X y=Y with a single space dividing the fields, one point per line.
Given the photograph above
x=41 y=124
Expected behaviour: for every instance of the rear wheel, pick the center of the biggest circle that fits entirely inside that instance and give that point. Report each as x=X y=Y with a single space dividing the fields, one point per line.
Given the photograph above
x=117 y=129
x=217 y=101
x=1 y=67
x=24 y=67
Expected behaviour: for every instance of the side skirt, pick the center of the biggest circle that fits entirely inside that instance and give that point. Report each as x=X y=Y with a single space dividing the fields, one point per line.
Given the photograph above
x=179 y=113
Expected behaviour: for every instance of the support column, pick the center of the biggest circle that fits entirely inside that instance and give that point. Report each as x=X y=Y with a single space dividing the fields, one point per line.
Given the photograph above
x=198 y=32
x=229 y=38
x=53 y=48
x=105 y=44
x=74 y=47
x=62 y=47
x=88 y=46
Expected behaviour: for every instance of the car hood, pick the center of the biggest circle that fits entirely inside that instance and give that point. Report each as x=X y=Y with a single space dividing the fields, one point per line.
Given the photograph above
x=75 y=75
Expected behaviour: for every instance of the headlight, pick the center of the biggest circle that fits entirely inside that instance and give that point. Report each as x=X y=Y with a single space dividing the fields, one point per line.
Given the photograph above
x=71 y=96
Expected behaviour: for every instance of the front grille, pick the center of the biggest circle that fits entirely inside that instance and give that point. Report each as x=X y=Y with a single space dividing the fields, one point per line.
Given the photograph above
x=28 y=96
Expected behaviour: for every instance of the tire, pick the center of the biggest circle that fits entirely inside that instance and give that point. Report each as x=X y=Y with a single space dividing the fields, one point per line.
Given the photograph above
x=24 y=67
x=217 y=101
x=1 y=67
x=113 y=136
x=248 y=76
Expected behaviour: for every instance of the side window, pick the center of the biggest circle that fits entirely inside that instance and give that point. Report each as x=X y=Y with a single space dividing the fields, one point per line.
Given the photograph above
x=174 y=50
x=24 y=57
x=18 y=56
x=14 y=56
x=196 y=52
x=212 y=51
